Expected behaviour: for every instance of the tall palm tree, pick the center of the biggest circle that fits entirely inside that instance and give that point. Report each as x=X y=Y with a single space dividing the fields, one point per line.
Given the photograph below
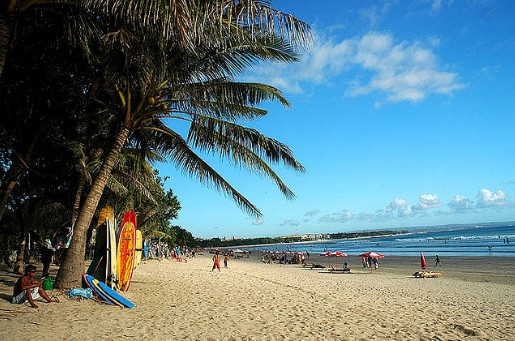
x=155 y=79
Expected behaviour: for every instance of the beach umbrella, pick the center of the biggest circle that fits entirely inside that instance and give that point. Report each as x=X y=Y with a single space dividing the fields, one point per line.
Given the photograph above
x=423 y=263
x=333 y=254
x=372 y=254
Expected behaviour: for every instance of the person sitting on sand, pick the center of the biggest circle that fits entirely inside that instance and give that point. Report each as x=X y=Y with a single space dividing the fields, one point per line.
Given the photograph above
x=27 y=289
x=346 y=267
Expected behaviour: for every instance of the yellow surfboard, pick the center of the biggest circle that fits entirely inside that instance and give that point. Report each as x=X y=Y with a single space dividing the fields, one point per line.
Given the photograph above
x=139 y=248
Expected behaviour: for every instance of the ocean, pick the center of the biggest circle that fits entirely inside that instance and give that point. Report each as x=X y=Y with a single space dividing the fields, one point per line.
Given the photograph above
x=464 y=241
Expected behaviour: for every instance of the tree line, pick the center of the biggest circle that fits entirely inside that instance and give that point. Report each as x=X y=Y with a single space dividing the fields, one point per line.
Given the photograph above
x=217 y=242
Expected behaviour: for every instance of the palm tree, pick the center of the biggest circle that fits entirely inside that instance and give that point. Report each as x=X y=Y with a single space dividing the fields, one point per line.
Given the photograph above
x=150 y=80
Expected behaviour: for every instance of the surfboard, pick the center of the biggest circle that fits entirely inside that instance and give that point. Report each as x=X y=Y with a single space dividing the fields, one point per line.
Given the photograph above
x=126 y=250
x=112 y=250
x=139 y=248
x=113 y=295
x=88 y=279
x=99 y=264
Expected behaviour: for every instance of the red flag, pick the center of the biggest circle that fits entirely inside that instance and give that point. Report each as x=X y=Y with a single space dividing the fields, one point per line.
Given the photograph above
x=423 y=263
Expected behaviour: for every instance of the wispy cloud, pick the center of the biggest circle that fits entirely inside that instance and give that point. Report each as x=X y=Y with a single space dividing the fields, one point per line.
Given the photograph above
x=401 y=71
x=290 y=222
x=397 y=71
x=312 y=213
x=336 y=217
x=258 y=222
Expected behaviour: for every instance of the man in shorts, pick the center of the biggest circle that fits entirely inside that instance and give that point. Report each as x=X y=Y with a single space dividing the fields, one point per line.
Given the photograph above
x=27 y=289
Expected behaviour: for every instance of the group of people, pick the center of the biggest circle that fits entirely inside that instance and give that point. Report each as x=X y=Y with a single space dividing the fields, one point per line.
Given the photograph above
x=159 y=251
x=216 y=260
x=296 y=258
x=368 y=261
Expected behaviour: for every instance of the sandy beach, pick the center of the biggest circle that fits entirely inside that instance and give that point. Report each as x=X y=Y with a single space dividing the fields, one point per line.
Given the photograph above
x=250 y=300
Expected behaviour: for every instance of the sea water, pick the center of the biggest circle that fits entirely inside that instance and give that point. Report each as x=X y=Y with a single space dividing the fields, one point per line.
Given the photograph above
x=463 y=241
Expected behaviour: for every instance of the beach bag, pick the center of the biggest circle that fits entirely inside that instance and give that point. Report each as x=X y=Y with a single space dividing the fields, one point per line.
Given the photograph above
x=48 y=284
x=81 y=292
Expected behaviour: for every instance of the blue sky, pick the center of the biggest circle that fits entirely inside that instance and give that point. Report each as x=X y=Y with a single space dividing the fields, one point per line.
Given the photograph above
x=402 y=113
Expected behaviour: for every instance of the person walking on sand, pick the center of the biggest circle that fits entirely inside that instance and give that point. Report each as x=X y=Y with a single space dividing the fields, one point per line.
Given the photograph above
x=226 y=260
x=438 y=261
x=47 y=253
x=216 y=261
x=27 y=289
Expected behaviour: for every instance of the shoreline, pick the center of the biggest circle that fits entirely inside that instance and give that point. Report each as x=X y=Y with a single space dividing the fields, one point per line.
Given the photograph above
x=499 y=270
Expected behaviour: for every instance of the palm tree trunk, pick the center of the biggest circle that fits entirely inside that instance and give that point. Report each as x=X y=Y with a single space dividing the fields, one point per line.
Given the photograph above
x=73 y=266
x=78 y=195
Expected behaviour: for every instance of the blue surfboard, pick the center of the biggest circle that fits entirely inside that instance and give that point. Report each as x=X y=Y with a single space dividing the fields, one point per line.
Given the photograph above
x=88 y=279
x=113 y=295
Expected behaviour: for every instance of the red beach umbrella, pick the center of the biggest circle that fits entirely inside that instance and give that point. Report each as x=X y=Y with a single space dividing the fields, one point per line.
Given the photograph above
x=333 y=254
x=372 y=254
x=423 y=263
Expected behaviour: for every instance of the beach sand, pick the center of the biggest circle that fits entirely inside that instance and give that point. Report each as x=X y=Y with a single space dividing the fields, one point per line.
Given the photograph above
x=250 y=300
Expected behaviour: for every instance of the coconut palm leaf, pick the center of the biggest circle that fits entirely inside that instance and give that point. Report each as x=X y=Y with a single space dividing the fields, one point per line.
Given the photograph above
x=171 y=144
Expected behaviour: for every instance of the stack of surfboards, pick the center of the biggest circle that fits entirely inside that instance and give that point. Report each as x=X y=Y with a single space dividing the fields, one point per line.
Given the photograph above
x=117 y=254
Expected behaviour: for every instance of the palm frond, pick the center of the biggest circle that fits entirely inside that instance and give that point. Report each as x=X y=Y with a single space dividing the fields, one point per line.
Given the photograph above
x=180 y=153
x=209 y=133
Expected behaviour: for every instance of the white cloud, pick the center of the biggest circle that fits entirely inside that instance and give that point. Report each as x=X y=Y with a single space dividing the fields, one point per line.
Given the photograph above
x=436 y=5
x=460 y=203
x=337 y=217
x=290 y=222
x=397 y=71
x=405 y=211
x=396 y=204
x=258 y=222
x=427 y=201
x=312 y=213
x=403 y=71
x=486 y=198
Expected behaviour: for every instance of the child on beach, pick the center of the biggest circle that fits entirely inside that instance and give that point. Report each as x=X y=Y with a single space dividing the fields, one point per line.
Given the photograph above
x=27 y=289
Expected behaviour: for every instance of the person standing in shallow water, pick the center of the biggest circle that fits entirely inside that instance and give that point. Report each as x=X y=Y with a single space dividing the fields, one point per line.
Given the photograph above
x=438 y=261
x=216 y=261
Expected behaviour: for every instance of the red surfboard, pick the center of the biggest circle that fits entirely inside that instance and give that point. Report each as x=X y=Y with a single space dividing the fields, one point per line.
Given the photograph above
x=126 y=250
